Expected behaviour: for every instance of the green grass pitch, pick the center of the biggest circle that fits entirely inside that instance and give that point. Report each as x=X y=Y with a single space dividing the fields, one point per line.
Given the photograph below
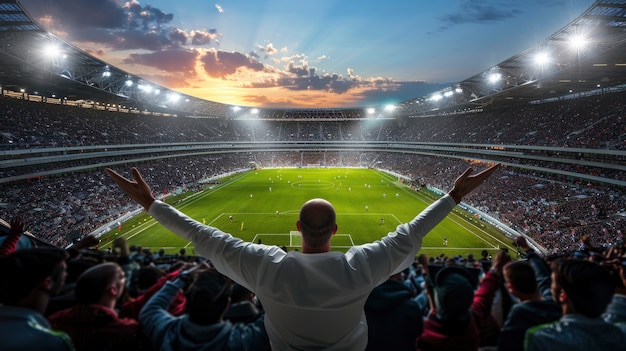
x=362 y=199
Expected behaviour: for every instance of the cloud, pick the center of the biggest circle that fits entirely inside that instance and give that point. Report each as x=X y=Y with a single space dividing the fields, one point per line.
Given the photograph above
x=178 y=60
x=203 y=37
x=478 y=12
x=220 y=64
x=219 y=8
x=111 y=23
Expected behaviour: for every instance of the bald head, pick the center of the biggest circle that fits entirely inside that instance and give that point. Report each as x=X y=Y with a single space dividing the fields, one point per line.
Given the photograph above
x=317 y=223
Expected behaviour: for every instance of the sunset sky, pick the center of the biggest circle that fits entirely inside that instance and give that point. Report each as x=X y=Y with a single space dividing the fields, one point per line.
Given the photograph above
x=290 y=53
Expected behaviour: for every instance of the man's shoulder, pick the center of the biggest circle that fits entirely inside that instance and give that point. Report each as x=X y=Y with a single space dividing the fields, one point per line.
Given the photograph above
x=19 y=326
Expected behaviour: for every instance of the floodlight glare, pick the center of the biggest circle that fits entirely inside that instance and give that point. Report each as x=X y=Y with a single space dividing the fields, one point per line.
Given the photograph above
x=371 y=110
x=145 y=88
x=458 y=90
x=390 y=108
x=129 y=83
x=578 y=42
x=437 y=97
x=448 y=93
x=494 y=77
x=236 y=108
x=52 y=50
x=542 y=58
x=171 y=97
x=254 y=111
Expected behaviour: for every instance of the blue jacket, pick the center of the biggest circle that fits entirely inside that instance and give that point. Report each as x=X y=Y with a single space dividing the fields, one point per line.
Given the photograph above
x=575 y=332
x=24 y=329
x=525 y=315
x=616 y=310
x=394 y=320
x=167 y=332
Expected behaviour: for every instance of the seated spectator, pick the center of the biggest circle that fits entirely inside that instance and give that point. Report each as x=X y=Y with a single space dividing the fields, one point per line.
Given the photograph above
x=93 y=323
x=242 y=308
x=583 y=289
x=29 y=278
x=394 y=320
x=202 y=326
x=532 y=309
x=457 y=313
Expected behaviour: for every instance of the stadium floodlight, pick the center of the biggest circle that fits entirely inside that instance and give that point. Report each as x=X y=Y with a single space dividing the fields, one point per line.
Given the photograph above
x=390 y=107
x=437 y=97
x=254 y=111
x=370 y=110
x=458 y=90
x=236 y=108
x=494 y=78
x=448 y=93
x=145 y=88
x=542 y=58
x=173 y=98
x=52 y=50
x=129 y=83
x=578 y=42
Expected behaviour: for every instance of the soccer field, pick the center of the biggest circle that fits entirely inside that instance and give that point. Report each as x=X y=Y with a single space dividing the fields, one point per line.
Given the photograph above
x=264 y=205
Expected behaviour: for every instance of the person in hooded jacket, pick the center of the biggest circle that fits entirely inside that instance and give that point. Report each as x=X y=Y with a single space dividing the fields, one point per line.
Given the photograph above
x=202 y=326
x=393 y=317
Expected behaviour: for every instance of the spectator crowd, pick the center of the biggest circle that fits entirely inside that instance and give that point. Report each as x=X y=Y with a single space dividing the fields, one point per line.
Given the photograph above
x=65 y=294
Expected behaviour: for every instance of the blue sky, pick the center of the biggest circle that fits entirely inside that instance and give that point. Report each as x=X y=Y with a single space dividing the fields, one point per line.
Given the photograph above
x=321 y=53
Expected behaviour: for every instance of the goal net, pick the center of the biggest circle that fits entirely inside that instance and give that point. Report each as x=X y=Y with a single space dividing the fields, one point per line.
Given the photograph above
x=313 y=165
x=295 y=238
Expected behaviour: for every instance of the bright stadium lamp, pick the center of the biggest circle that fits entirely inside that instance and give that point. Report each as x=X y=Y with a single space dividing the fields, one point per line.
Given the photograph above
x=173 y=98
x=494 y=78
x=52 y=50
x=371 y=110
x=578 y=42
x=542 y=58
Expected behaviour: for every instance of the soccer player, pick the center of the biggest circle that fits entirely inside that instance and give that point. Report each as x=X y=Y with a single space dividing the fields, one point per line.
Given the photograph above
x=325 y=309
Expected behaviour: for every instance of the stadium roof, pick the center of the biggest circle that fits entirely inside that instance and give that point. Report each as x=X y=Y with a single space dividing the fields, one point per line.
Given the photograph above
x=26 y=63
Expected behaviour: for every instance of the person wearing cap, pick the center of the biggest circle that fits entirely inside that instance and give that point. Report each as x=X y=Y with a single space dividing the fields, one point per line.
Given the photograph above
x=313 y=297
x=584 y=289
x=29 y=278
x=457 y=313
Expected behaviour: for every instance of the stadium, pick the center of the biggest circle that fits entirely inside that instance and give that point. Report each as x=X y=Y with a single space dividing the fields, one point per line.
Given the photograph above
x=558 y=133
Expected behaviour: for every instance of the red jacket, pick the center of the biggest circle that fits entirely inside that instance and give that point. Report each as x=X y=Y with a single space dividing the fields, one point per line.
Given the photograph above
x=435 y=337
x=132 y=308
x=96 y=327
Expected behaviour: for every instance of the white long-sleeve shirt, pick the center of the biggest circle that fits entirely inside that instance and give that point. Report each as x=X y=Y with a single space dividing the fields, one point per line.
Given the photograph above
x=311 y=301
